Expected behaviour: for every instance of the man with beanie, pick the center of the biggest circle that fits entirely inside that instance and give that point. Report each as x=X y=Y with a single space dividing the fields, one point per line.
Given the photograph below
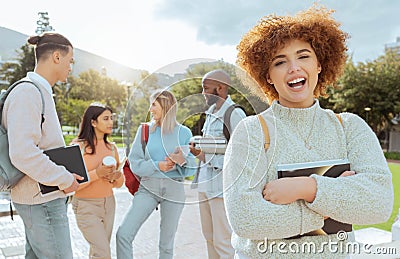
x=215 y=225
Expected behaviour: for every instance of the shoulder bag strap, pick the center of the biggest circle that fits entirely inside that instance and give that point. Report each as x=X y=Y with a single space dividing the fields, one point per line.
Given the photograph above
x=145 y=135
x=265 y=130
x=114 y=149
x=82 y=148
x=227 y=120
x=3 y=99
x=339 y=118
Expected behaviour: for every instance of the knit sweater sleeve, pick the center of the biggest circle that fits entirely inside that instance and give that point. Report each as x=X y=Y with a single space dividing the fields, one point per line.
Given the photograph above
x=24 y=133
x=138 y=162
x=245 y=174
x=367 y=197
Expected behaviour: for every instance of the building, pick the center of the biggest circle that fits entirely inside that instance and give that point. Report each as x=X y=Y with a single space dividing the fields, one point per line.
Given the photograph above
x=394 y=46
x=394 y=137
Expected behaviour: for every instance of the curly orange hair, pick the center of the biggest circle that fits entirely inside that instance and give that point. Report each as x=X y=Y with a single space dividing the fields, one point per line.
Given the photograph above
x=315 y=26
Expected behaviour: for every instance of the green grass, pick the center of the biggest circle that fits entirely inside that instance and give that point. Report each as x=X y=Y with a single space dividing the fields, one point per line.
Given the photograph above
x=395 y=169
x=392 y=155
x=119 y=141
x=68 y=138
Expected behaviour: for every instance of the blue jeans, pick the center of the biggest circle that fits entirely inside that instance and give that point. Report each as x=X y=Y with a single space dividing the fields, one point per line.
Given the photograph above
x=46 y=229
x=170 y=195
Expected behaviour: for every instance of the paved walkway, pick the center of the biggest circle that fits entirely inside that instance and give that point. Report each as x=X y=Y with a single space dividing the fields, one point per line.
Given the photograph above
x=189 y=242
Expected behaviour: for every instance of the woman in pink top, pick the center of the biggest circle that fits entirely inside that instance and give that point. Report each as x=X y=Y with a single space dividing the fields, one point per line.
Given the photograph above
x=94 y=202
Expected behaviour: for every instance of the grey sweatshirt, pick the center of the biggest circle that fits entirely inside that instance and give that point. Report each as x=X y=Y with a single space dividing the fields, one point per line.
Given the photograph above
x=365 y=198
x=21 y=117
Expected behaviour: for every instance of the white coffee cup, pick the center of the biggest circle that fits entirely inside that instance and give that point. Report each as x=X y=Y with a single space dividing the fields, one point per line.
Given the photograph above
x=185 y=150
x=109 y=160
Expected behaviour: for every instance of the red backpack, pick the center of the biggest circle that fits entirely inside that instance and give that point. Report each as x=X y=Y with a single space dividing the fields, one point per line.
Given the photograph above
x=132 y=181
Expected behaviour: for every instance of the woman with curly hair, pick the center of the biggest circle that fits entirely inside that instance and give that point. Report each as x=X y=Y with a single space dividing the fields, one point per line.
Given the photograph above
x=294 y=59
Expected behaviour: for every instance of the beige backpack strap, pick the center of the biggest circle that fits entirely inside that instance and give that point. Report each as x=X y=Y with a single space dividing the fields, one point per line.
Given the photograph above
x=339 y=118
x=114 y=149
x=265 y=130
x=82 y=146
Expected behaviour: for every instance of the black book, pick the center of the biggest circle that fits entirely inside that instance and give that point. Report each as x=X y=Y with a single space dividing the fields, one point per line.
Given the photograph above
x=329 y=168
x=71 y=158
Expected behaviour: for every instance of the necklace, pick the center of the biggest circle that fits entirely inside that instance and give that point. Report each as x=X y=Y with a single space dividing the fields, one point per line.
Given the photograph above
x=307 y=139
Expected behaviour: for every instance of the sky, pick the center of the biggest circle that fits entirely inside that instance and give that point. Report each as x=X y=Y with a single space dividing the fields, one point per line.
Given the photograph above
x=152 y=34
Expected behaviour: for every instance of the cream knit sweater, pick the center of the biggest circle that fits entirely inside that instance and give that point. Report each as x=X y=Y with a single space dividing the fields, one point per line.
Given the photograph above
x=365 y=198
x=21 y=117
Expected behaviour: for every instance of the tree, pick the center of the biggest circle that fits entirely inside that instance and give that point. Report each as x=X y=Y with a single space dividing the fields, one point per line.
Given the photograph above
x=373 y=85
x=25 y=62
x=6 y=74
x=192 y=103
x=71 y=113
x=72 y=98
x=91 y=85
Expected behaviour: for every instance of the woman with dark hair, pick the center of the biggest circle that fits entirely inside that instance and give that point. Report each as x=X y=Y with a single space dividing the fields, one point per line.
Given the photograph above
x=163 y=167
x=44 y=216
x=94 y=202
x=294 y=59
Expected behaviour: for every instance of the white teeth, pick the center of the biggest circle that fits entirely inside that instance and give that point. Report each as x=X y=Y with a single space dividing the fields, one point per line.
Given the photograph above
x=296 y=80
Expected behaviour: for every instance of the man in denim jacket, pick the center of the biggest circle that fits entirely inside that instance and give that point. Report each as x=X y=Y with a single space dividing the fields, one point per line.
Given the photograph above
x=215 y=226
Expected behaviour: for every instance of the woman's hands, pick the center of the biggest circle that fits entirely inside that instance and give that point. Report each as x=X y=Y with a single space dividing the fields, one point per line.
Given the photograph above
x=166 y=165
x=113 y=176
x=108 y=173
x=290 y=189
x=103 y=171
x=176 y=158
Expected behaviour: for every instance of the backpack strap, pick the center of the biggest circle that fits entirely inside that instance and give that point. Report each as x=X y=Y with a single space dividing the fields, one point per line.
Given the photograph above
x=114 y=149
x=83 y=148
x=339 y=118
x=145 y=135
x=3 y=97
x=227 y=120
x=265 y=130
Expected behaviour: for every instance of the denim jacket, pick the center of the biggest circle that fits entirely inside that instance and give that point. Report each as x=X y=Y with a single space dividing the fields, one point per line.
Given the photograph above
x=213 y=126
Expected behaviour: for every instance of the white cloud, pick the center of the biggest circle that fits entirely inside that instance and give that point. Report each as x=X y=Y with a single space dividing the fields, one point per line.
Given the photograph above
x=154 y=33
x=371 y=24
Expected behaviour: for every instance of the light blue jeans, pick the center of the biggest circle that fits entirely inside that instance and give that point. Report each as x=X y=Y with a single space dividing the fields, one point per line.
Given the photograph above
x=170 y=194
x=214 y=182
x=46 y=230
